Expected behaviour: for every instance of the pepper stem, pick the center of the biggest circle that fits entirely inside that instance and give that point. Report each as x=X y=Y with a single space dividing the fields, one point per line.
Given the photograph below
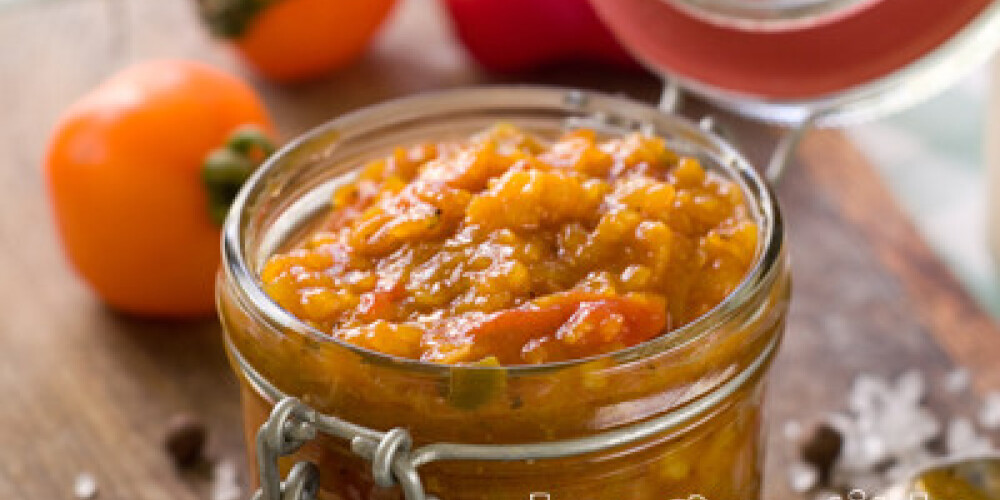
x=230 y=18
x=228 y=167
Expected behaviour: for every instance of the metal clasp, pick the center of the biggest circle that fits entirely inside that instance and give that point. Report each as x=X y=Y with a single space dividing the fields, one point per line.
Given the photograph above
x=784 y=151
x=292 y=424
x=286 y=430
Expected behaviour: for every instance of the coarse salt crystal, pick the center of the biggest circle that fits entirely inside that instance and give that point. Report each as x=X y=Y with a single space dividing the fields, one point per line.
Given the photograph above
x=85 y=487
x=802 y=477
x=792 y=430
x=962 y=439
x=957 y=380
x=989 y=415
x=225 y=481
x=910 y=387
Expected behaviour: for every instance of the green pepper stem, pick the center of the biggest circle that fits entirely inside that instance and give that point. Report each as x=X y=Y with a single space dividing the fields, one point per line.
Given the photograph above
x=226 y=169
x=230 y=18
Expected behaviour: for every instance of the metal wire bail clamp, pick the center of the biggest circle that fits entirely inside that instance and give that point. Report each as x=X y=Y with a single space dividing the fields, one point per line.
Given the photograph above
x=292 y=423
x=673 y=96
x=287 y=428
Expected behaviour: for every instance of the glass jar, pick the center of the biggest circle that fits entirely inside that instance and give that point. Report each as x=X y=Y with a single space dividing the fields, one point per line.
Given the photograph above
x=700 y=387
x=991 y=152
x=828 y=62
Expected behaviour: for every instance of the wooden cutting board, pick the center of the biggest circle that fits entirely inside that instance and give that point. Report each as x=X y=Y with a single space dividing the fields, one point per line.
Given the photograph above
x=86 y=389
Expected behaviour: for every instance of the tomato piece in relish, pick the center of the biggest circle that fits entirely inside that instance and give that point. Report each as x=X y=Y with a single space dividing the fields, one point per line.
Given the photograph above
x=507 y=248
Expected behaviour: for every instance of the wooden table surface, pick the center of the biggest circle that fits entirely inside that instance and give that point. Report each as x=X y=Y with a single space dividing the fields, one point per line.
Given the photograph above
x=86 y=389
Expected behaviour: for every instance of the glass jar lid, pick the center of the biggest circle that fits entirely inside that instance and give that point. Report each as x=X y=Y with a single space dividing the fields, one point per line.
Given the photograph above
x=832 y=62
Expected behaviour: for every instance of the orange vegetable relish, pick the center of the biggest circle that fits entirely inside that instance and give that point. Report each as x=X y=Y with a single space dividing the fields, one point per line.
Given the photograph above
x=505 y=249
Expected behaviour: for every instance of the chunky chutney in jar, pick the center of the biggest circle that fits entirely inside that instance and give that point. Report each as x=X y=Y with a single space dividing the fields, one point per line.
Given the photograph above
x=510 y=281
x=503 y=249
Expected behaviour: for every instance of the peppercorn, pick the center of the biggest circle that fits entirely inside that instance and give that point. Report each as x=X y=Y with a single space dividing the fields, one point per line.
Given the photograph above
x=184 y=439
x=821 y=449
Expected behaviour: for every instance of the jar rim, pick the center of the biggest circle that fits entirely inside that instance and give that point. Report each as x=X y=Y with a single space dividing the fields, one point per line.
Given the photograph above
x=618 y=109
x=775 y=15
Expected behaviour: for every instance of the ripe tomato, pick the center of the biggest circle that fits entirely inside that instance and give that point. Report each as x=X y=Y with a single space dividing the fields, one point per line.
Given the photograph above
x=124 y=170
x=295 y=40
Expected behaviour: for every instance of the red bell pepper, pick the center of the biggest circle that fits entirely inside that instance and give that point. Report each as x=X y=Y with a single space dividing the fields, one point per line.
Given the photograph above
x=516 y=35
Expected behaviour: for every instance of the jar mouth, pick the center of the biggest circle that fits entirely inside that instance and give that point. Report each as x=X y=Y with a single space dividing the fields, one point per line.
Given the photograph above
x=584 y=108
